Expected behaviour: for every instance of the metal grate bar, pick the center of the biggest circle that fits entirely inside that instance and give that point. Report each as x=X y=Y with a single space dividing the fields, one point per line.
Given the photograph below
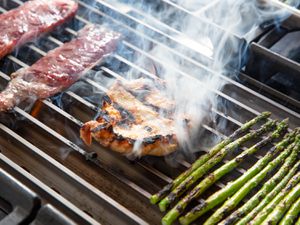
x=47 y=190
x=68 y=174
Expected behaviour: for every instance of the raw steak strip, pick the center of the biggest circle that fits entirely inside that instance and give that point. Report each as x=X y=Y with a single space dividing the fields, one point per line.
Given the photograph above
x=31 y=20
x=60 y=68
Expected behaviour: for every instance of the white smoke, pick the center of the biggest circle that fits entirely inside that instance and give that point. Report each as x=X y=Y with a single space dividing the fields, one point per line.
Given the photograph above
x=216 y=31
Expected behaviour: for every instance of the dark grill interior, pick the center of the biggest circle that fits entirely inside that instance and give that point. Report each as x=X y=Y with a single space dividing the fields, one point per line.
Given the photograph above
x=41 y=147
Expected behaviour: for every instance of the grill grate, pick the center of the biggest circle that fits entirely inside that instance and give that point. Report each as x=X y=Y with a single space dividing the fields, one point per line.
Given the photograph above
x=47 y=145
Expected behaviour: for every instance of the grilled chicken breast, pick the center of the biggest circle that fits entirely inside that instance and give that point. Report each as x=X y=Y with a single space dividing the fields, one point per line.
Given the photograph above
x=130 y=122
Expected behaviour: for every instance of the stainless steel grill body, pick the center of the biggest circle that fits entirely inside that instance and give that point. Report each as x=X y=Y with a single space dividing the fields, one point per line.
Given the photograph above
x=43 y=150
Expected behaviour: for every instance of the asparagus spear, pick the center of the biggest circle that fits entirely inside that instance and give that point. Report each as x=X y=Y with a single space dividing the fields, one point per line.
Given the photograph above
x=272 y=204
x=272 y=195
x=275 y=216
x=291 y=215
x=202 y=170
x=259 y=198
x=231 y=203
x=162 y=193
x=232 y=187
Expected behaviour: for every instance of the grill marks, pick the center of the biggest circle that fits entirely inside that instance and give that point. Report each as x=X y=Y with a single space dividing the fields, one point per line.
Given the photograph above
x=31 y=20
x=148 y=92
x=126 y=125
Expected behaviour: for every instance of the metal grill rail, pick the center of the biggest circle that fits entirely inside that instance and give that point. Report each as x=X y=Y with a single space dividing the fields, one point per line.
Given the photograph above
x=109 y=184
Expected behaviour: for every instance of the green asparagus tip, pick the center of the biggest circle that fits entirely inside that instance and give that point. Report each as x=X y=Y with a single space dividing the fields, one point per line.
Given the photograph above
x=154 y=199
x=163 y=205
x=266 y=114
x=286 y=120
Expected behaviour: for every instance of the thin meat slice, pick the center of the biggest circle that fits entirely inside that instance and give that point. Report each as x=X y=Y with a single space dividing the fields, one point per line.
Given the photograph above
x=126 y=125
x=31 y=20
x=60 y=68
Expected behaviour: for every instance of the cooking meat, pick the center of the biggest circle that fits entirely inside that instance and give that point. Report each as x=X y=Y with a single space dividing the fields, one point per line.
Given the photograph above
x=126 y=125
x=60 y=68
x=149 y=93
x=31 y=20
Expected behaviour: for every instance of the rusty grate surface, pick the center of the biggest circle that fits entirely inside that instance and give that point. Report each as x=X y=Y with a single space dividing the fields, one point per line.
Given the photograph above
x=43 y=149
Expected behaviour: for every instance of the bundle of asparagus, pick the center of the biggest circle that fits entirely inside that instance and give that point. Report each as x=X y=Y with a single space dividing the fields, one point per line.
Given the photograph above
x=171 y=186
x=283 y=156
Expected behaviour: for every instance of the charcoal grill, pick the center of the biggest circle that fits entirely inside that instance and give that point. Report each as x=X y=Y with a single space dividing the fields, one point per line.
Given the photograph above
x=92 y=185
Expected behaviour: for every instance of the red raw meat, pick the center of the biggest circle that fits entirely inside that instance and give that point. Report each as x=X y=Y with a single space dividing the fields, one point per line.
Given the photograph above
x=60 y=68
x=31 y=20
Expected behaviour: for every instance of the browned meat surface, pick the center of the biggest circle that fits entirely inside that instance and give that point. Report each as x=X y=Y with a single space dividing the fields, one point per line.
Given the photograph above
x=149 y=93
x=60 y=68
x=128 y=126
x=31 y=20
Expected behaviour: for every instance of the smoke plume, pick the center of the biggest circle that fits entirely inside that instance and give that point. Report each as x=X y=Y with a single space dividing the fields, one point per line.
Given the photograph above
x=213 y=39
